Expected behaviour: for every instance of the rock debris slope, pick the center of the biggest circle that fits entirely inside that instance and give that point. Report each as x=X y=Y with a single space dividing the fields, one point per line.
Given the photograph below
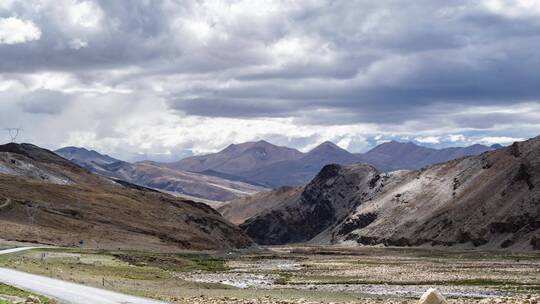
x=154 y=175
x=47 y=199
x=491 y=200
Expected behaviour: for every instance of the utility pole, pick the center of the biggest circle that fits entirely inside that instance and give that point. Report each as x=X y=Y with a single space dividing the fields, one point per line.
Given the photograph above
x=14 y=133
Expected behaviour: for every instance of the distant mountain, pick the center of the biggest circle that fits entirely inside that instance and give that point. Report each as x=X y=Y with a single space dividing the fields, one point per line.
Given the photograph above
x=488 y=201
x=262 y=163
x=238 y=158
x=88 y=159
x=47 y=199
x=300 y=171
x=244 y=169
x=152 y=175
x=192 y=184
x=394 y=155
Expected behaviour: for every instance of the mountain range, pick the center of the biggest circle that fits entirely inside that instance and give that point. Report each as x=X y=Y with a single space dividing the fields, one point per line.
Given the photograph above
x=47 y=199
x=394 y=155
x=272 y=166
x=240 y=170
x=206 y=187
x=491 y=200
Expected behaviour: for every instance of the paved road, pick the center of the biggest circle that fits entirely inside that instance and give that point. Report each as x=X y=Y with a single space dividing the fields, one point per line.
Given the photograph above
x=6 y=251
x=65 y=292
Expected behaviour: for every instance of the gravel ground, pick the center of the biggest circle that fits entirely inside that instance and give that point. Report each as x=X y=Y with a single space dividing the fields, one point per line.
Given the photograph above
x=269 y=300
x=316 y=273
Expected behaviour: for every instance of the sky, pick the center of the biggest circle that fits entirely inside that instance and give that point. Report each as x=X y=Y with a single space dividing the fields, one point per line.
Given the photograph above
x=163 y=79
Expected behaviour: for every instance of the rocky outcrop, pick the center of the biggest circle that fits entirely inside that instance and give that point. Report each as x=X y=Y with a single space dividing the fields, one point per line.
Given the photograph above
x=323 y=203
x=489 y=201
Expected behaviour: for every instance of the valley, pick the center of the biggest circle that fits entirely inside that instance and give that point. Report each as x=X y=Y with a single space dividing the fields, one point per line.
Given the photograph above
x=353 y=234
x=294 y=274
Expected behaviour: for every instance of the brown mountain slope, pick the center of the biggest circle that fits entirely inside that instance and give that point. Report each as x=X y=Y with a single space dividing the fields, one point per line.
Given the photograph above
x=239 y=210
x=46 y=199
x=299 y=172
x=238 y=158
x=491 y=200
x=394 y=155
x=153 y=175
x=180 y=182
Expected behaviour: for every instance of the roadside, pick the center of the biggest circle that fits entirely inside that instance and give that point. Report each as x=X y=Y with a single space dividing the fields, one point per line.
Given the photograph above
x=12 y=295
x=65 y=292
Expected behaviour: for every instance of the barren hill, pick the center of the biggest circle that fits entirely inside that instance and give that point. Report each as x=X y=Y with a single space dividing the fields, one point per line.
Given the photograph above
x=490 y=200
x=299 y=172
x=154 y=175
x=47 y=199
x=238 y=158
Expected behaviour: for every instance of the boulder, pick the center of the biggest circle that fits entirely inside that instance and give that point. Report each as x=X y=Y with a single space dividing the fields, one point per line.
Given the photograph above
x=432 y=296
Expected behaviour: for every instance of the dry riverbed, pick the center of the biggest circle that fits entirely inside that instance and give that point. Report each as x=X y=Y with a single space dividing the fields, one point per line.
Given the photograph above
x=297 y=274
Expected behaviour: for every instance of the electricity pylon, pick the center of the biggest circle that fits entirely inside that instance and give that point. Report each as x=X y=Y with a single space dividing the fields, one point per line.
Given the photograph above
x=14 y=133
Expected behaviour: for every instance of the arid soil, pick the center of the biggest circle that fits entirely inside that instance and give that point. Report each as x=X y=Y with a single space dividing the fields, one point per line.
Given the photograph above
x=270 y=300
x=297 y=274
x=239 y=210
x=49 y=200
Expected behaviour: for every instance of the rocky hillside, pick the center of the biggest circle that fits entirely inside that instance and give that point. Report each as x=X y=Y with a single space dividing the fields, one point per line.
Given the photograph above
x=328 y=199
x=47 y=199
x=84 y=157
x=152 y=175
x=239 y=210
x=491 y=200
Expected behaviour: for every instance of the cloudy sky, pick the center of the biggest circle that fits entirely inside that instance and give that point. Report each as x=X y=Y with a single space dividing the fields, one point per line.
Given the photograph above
x=170 y=78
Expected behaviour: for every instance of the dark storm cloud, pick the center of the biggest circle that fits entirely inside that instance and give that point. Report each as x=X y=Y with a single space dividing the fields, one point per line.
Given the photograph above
x=425 y=57
x=240 y=108
x=331 y=62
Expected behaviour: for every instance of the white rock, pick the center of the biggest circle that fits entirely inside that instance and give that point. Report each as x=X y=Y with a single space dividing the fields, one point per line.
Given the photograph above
x=432 y=296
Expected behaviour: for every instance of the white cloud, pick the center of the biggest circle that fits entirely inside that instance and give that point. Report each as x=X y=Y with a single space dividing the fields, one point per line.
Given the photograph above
x=428 y=139
x=514 y=8
x=14 y=30
x=86 y=14
x=503 y=140
x=456 y=138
